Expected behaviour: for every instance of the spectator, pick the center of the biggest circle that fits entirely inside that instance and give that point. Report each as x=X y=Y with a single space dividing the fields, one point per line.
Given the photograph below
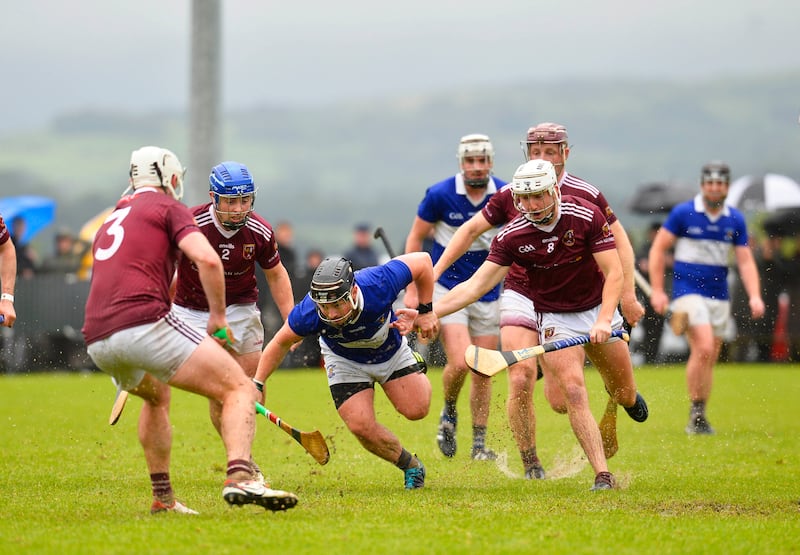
x=361 y=254
x=308 y=353
x=653 y=322
x=66 y=258
x=284 y=235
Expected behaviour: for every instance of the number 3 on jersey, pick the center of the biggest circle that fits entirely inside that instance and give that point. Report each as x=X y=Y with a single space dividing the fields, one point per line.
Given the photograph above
x=116 y=231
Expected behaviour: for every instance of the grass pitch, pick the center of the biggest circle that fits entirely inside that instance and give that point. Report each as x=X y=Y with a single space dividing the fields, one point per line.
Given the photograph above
x=73 y=484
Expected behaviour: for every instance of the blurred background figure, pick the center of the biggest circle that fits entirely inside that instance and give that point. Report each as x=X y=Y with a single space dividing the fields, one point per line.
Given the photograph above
x=67 y=254
x=361 y=253
x=284 y=235
x=653 y=322
x=308 y=353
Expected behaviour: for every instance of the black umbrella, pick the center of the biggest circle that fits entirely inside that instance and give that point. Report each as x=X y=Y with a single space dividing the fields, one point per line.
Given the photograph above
x=783 y=223
x=660 y=197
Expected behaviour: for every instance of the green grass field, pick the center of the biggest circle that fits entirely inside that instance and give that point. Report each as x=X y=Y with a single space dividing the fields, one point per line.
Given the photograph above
x=73 y=484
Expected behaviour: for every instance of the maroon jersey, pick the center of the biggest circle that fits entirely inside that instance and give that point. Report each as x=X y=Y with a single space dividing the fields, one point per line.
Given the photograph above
x=135 y=254
x=4 y=234
x=561 y=272
x=500 y=210
x=240 y=250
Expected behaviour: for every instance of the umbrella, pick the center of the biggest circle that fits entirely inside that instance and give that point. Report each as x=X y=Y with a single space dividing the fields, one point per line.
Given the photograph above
x=38 y=213
x=783 y=223
x=766 y=193
x=660 y=196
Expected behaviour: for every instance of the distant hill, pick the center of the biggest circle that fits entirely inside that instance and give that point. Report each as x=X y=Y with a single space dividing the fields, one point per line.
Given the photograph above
x=328 y=167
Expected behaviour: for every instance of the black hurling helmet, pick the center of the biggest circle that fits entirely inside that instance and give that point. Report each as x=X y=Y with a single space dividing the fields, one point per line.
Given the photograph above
x=333 y=280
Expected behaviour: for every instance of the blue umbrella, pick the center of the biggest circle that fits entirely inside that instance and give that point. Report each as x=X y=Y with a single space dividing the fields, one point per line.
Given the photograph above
x=38 y=213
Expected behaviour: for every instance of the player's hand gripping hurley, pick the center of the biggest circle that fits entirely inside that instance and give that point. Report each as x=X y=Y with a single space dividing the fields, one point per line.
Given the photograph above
x=489 y=362
x=313 y=442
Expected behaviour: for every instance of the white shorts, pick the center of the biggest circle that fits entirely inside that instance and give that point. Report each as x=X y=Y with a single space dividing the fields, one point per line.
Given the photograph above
x=243 y=319
x=517 y=310
x=158 y=349
x=342 y=370
x=482 y=318
x=562 y=325
x=702 y=310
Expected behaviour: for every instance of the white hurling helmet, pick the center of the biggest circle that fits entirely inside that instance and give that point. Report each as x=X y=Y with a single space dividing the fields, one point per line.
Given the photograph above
x=153 y=166
x=536 y=178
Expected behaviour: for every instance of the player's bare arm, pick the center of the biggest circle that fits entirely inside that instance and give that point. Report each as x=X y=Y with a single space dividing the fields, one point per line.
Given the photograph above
x=467 y=292
x=280 y=287
x=464 y=236
x=8 y=276
x=748 y=271
x=663 y=242
x=420 y=229
x=275 y=352
x=632 y=309
x=610 y=265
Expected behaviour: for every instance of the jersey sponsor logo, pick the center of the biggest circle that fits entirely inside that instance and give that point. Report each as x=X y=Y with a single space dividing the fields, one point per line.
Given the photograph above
x=249 y=251
x=569 y=237
x=526 y=248
x=694 y=230
x=455 y=216
x=227 y=246
x=552 y=239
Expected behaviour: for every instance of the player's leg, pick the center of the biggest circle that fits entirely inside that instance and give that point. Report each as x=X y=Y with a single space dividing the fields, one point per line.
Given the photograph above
x=484 y=331
x=455 y=339
x=520 y=408
x=355 y=403
x=703 y=352
x=211 y=371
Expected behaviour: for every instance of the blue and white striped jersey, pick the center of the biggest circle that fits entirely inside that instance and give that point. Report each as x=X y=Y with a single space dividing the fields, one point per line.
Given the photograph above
x=703 y=248
x=447 y=206
x=369 y=339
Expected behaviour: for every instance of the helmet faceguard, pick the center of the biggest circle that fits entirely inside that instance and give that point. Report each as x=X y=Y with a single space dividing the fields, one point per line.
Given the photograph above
x=476 y=146
x=546 y=133
x=153 y=166
x=234 y=193
x=536 y=178
x=332 y=283
x=715 y=172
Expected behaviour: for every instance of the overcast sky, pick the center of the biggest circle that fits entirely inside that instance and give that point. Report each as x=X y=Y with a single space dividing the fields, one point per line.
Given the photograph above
x=133 y=55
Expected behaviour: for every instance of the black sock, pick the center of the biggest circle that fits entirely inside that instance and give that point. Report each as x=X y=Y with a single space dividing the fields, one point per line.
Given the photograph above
x=529 y=458
x=450 y=409
x=405 y=461
x=698 y=409
x=479 y=438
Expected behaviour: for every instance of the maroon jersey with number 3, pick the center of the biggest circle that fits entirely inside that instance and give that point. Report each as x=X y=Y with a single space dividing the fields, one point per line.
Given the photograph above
x=135 y=255
x=561 y=271
x=500 y=210
x=240 y=250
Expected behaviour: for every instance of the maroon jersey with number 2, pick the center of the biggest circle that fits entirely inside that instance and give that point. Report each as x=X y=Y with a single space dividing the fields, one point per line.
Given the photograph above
x=240 y=250
x=562 y=274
